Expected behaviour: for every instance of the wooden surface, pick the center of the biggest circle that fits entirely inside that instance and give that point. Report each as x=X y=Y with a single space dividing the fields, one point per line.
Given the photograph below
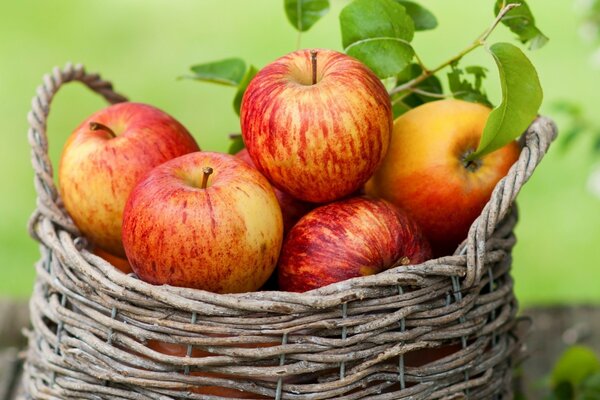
x=553 y=330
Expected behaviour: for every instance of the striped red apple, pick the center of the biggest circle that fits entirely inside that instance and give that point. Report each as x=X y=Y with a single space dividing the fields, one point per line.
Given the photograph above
x=106 y=156
x=316 y=124
x=347 y=239
x=206 y=221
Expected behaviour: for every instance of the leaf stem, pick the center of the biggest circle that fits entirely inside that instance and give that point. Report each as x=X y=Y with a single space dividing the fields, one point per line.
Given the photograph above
x=480 y=41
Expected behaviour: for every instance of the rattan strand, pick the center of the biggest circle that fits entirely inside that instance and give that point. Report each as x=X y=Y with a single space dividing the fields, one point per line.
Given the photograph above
x=351 y=340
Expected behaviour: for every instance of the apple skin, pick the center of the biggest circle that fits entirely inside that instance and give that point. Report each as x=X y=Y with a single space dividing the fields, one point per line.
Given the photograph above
x=178 y=350
x=291 y=208
x=224 y=238
x=118 y=262
x=424 y=172
x=98 y=171
x=316 y=142
x=346 y=239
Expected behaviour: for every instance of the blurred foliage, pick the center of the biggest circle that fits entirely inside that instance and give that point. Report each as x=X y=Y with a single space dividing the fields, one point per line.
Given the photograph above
x=575 y=375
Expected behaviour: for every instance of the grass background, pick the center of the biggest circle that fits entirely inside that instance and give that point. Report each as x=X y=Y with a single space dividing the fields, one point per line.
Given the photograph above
x=144 y=45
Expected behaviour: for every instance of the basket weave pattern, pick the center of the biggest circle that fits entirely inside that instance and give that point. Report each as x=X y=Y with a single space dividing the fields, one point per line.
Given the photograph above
x=351 y=340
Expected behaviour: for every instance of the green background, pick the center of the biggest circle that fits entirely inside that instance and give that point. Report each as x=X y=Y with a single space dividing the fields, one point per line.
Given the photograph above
x=144 y=45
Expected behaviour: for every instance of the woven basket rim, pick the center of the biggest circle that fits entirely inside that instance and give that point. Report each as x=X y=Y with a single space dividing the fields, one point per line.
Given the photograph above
x=541 y=132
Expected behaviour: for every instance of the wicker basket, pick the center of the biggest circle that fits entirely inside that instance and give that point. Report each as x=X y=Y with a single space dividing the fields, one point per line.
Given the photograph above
x=444 y=329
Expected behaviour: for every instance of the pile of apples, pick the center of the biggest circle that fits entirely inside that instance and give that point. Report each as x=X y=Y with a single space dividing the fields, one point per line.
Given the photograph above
x=328 y=188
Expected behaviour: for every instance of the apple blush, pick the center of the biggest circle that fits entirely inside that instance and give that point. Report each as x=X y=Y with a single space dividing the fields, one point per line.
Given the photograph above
x=205 y=221
x=106 y=156
x=427 y=174
x=347 y=239
x=316 y=123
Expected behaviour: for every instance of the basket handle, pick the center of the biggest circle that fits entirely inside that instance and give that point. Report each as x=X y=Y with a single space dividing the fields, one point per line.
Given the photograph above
x=535 y=143
x=48 y=200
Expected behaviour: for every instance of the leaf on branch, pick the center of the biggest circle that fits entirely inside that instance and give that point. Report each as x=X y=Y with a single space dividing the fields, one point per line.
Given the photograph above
x=378 y=32
x=521 y=99
x=520 y=20
x=464 y=89
x=428 y=90
x=303 y=14
x=422 y=17
x=237 y=101
x=229 y=72
x=237 y=144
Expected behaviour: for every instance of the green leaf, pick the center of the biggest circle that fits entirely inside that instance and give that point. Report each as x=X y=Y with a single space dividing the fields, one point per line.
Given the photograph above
x=521 y=99
x=463 y=89
x=236 y=145
x=422 y=17
x=590 y=387
x=228 y=72
x=520 y=21
x=378 y=32
x=575 y=365
x=237 y=101
x=563 y=391
x=399 y=108
x=430 y=85
x=303 y=14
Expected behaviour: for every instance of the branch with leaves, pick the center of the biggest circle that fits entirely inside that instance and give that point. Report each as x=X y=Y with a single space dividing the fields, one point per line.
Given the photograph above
x=379 y=33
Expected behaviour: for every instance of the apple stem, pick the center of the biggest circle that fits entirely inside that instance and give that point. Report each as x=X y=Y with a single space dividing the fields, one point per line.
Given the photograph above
x=207 y=171
x=313 y=60
x=97 y=126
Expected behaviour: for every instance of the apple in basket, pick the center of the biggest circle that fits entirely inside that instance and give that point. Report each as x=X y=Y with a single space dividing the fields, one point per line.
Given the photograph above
x=291 y=208
x=316 y=124
x=106 y=156
x=347 y=239
x=206 y=221
x=425 y=171
x=179 y=350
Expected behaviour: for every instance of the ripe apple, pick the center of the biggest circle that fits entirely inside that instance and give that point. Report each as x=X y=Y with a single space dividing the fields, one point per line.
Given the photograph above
x=178 y=350
x=120 y=263
x=105 y=157
x=183 y=226
x=425 y=171
x=346 y=239
x=316 y=124
x=292 y=209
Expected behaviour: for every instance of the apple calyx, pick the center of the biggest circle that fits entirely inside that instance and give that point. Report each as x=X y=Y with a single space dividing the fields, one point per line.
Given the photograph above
x=207 y=171
x=313 y=61
x=97 y=126
x=471 y=164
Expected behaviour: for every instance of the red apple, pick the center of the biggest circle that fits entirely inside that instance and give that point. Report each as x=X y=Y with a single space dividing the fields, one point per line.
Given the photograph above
x=425 y=172
x=346 y=239
x=316 y=124
x=291 y=208
x=106 y=156
x=183 y=226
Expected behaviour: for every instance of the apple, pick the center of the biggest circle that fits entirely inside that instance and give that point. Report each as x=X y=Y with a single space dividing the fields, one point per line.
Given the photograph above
x=291 y=208
x=118 y=262
x=178 y=350
x=206 y=221
x=106 y=156
x=316 y=123
x=425 y=171
x=346 y=239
